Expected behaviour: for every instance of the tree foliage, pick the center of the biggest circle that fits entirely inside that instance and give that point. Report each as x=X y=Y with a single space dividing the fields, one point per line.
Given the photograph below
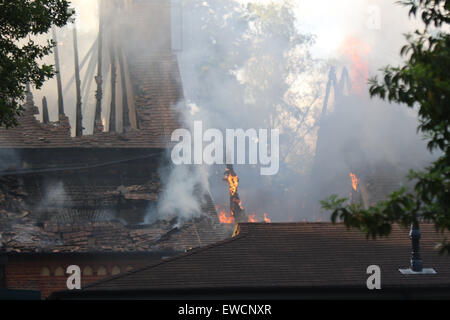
x=20 y=21
x=422 y=82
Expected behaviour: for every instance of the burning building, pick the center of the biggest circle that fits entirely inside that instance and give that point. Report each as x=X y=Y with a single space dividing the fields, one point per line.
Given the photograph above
x=359 y=155
x=84 y=200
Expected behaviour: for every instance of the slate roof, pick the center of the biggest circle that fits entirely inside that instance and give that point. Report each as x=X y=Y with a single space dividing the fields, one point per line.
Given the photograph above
x=290 y=255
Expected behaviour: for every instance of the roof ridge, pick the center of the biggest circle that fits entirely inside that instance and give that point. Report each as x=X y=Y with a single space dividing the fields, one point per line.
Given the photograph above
x=174 y=258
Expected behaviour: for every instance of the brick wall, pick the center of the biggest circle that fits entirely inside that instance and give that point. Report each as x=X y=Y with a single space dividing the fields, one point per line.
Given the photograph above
x=47 y=274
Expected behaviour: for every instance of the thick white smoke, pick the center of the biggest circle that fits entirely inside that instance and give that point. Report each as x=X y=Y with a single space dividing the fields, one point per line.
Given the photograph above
x=184 y=186
x=182 y=195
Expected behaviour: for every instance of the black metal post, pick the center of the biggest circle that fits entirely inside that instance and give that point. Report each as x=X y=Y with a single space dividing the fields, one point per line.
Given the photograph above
x=416 y=260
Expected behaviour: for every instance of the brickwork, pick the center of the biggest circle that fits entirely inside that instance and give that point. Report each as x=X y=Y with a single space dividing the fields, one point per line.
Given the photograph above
x=44 y=274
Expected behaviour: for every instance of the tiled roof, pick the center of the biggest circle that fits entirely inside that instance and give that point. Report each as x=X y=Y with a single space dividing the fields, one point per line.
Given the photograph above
x=291 y=255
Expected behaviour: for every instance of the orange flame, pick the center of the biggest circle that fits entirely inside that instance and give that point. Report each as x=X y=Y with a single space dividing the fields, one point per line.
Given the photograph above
x=252 y=217
x=224 y=218
x=266 y=218
x=233 y=182
x=358 y=52
x=355 y=181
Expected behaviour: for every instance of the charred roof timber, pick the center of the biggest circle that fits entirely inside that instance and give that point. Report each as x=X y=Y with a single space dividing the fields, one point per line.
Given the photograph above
x=58 y=74
x=112 y=113
x=45 y=117
x=79 y=116
x=98 y=125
